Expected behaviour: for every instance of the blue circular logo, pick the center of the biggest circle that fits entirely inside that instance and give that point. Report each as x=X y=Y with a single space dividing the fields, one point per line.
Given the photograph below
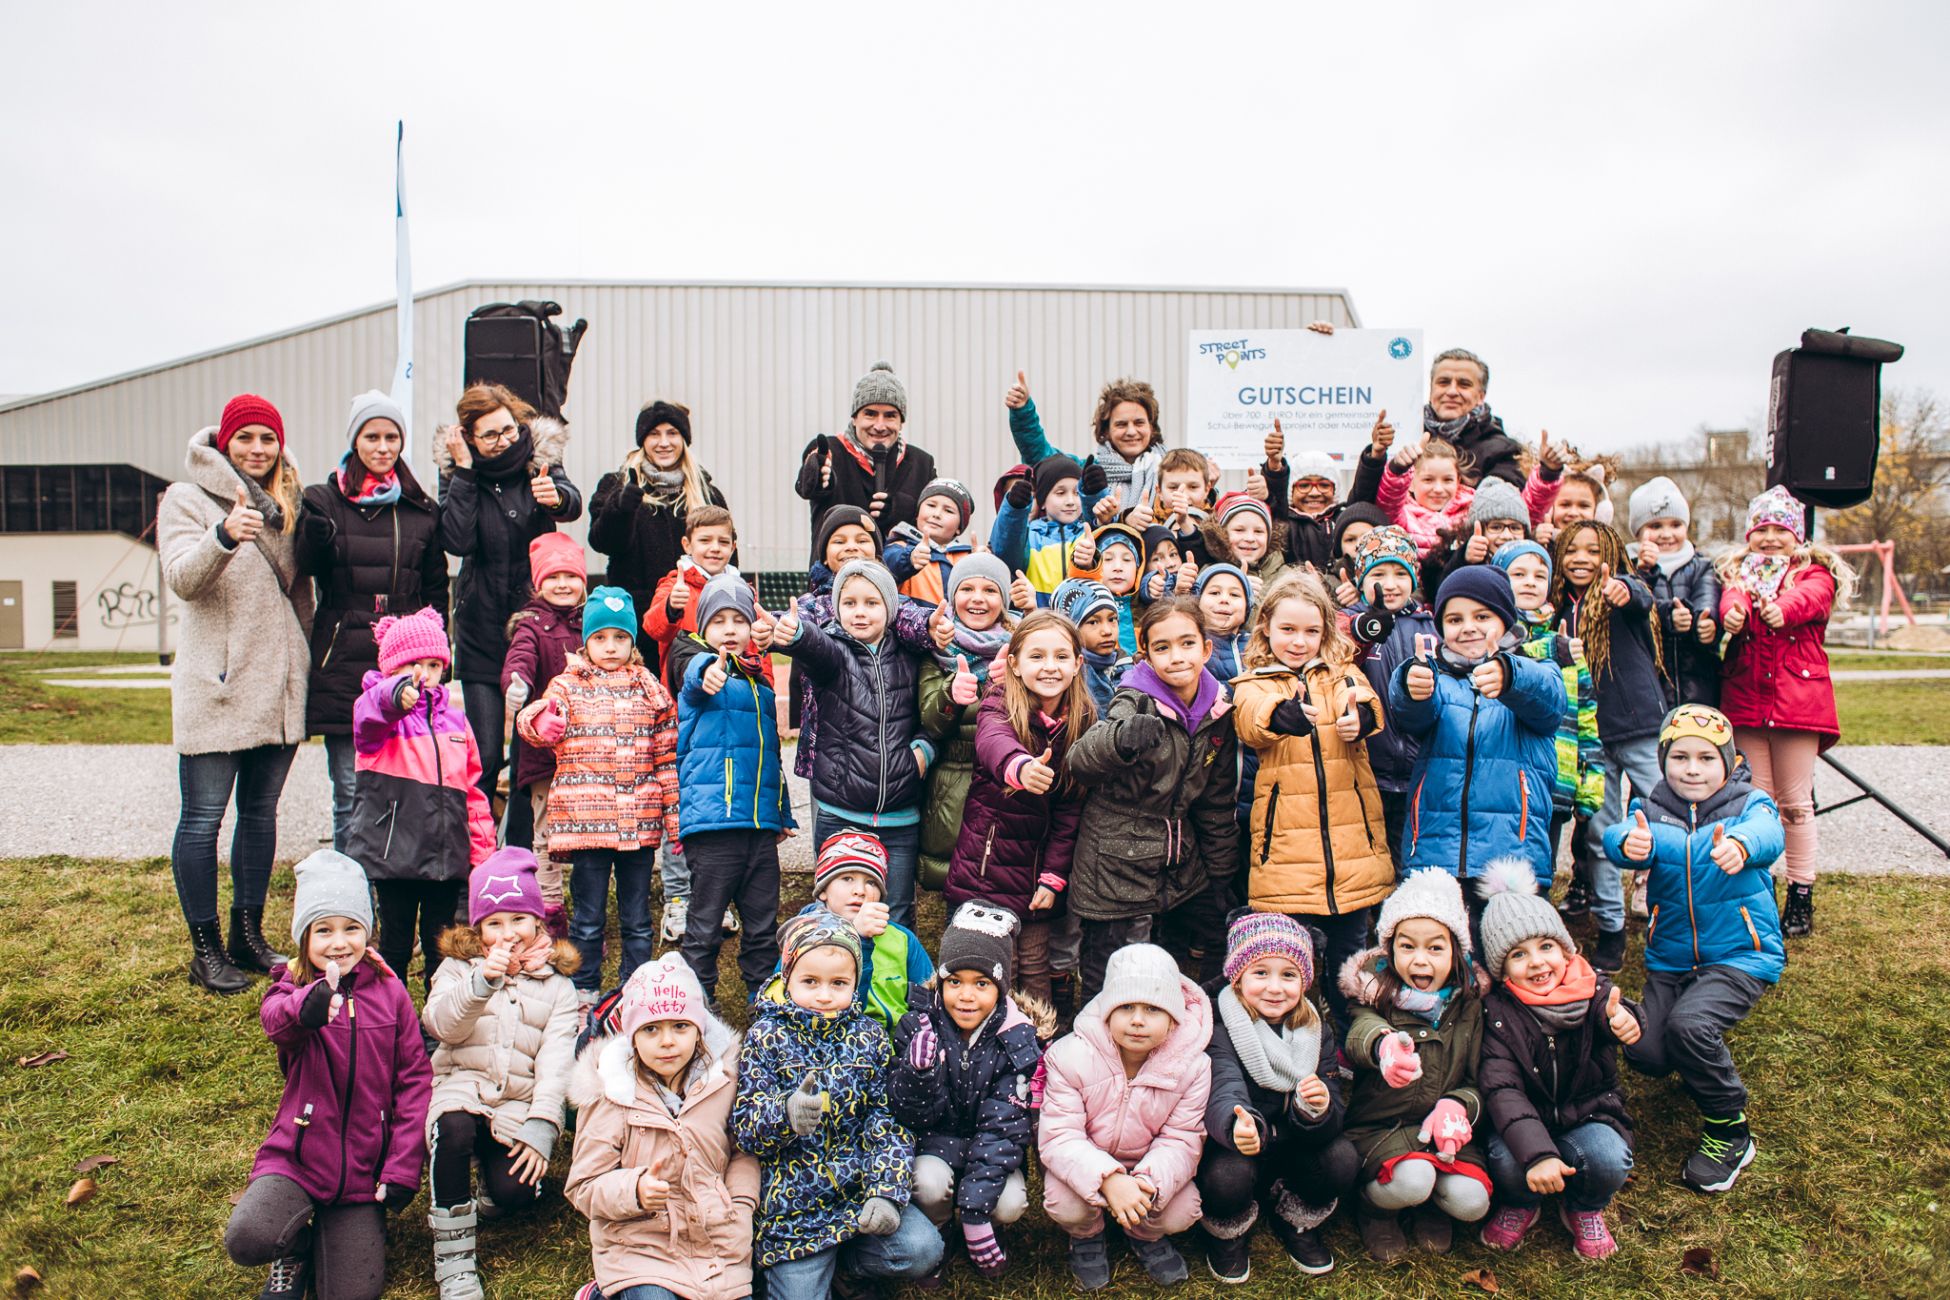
x=1400 y=348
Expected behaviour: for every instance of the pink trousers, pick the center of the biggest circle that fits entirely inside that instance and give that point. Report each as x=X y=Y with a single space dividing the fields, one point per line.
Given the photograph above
x=1078 y=1217
x=1784 y=766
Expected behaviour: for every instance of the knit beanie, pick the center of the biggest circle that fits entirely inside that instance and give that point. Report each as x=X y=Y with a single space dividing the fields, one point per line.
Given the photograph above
x=416 y=636
x=1483 y=583
x=1777 y=506
x=1709 y=725
x=243 y=409
x=1120 y=535
x=664 y=989
x=1155 y=536
x=329 y=884
x=815 y=927
x=1212 y=571
x=878 y=387
x=850 y=851
x=504 y=882
x=1430 y=893
x=1257 y=935
x=980 y=937
x=1513 y=912
x=726 y=591
x=1009 y=476
x=876 y=573
x=1388 y=544
x=661 y=412
x=955 y=491
x=1509 y=553
x=977 y=564
x=836 y=518
x=554 y=553
x=1658 y=498
x=1313 y=463
x=1233 y=503
x=371 y=405
x=1357 y=512
x=1052 y=470
x=1497 y=499
x=608 y=607
x=1146 y=973
x=1078 y=598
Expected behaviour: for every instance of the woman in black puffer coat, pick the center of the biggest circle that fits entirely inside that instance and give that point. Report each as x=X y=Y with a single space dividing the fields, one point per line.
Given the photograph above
x=502 y=485
x=369 y=537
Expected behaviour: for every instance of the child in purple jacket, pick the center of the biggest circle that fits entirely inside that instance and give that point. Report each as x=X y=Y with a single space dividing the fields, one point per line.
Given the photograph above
x=350 y=1134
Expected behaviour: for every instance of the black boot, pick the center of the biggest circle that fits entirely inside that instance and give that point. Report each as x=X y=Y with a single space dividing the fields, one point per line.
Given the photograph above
x=1799 y=922
x=1608 y=954
x=210 y=969
x=248 y=951
x=1063 y=999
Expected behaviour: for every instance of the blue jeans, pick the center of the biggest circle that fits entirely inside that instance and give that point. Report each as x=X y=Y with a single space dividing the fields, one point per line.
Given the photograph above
x=642 y=1292
x=342 y=761
x=910 y=1252
x=1602 y=1158
x=589 y=874
x=1638 y=760
x=903 y=844
x=206 y=781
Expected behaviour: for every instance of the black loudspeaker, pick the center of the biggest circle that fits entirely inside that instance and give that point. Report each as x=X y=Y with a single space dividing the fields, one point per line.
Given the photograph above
x=1824 y=413
x=505 y=350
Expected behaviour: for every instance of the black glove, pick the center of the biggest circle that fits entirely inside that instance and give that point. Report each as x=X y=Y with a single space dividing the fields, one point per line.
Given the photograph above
x=317 y=1006
x=1139 y=734
x=1021 y=493
x=1093 y=479
x=1289 y=719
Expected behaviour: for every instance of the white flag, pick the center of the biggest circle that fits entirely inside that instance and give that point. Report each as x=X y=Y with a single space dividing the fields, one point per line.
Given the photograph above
x=402 y=393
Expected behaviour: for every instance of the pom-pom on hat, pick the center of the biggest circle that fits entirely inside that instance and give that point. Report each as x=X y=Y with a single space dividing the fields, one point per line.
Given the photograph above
x=329 y=884
x=608 y=607
x=1778 y=507
x=953 y=489
x=1431 y=893
x=243 y=409
x=409 y=639
x=554 y=553
x=879 y=387
x=1513 y=911
x=1258 y=935
x=981 y=937
x=661 y=412
x=850 y=851
x=1143 y=973
x=504 y=882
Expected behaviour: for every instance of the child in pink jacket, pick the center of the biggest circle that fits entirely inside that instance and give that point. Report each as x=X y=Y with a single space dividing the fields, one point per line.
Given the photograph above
x=1423 y=490
x=1123 y=1119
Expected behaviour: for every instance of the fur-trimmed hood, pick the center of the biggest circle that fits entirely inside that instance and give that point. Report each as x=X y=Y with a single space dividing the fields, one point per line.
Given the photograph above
x=462 y=943
x=550 y=437
x=1360 y=976
x=605 y=1069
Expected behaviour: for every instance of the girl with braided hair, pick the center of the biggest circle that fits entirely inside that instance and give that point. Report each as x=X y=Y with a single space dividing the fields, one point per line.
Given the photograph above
x=1607 y=611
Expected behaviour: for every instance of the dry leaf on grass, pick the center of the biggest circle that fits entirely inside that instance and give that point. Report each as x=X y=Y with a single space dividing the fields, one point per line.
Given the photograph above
x=26 y=1280
x=1482 y=1277
x=92 y=1163
x=1699 y=1262
x=237 y=1197
x=83 y=1189
x=43 y=1058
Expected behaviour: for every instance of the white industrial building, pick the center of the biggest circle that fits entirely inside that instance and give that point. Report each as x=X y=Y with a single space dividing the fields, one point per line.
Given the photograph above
x=762 y=368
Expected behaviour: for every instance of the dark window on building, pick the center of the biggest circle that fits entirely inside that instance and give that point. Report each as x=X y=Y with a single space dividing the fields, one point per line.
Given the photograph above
x=91 y=498
x=22 y=500
x=57 y=499
x=78 y=498
x=64 y=610
x=128 y=500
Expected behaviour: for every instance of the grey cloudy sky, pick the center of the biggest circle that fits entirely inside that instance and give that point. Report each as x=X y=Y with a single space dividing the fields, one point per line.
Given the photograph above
x=1627 y=209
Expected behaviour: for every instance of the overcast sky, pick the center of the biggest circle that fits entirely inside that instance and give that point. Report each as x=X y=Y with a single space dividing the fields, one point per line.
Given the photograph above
x=1628 y=209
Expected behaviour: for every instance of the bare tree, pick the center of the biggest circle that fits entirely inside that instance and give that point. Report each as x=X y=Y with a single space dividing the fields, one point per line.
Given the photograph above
x=1911 y=494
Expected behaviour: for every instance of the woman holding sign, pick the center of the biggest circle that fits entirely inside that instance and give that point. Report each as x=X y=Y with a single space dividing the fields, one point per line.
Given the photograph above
x=224 y=538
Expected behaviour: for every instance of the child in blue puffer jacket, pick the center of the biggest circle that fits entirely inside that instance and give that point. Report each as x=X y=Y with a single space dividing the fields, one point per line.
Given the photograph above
x=1486 y=719
x=734 y=806
x=1713 y=939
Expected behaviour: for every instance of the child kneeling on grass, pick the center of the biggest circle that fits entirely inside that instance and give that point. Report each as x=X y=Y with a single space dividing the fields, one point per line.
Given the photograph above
x=504 y=1015
x=812 y=1106
x=349 y=1137
x=850 y=881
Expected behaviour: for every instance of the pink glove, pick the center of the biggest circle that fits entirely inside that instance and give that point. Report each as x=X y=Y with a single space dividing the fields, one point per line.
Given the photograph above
x=964 y=688
x=924 y=1048
x=1447 y=1126
x=1400 y=1066
x=549 y=725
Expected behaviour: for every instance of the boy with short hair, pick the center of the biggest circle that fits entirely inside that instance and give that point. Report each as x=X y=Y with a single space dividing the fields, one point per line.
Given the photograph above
x=710 y=540
x=1114 y=556
x=920 y=555
x=1040 y=524
x=850 y=880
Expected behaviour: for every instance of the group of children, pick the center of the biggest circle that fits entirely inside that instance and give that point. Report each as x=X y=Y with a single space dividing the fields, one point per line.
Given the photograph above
x=1137 y=731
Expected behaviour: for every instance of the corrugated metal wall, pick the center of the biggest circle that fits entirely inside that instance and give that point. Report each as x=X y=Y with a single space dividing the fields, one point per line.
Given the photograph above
x=761 y=367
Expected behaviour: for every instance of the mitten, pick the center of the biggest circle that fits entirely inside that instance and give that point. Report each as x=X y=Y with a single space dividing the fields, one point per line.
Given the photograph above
x=1093 y=479
x=1290 y=719
x=1021 y=493
x=804 y=1107
x=549 y=725
x=984 y=1251
x=879 y=1217
x=1139 y=734
x=316 y=1008
x=1447 y=1127
x=1400 y=1066
x=924 y=1049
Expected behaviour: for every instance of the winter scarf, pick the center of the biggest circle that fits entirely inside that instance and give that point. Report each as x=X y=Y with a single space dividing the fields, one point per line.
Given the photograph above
x=1138 y=478
x=1761 y=575
x=1276 y=1060
x=1478 y=417
x=664 y=487
x=979 y=648
x=372 y=489
x=1671 y=562
x=531 y=957
x=864 y=458
x=1429 y=1006
x=1579 y=986
x=510 y=460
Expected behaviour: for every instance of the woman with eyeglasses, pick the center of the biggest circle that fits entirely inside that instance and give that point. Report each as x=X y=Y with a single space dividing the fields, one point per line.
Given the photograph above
x=502 y=485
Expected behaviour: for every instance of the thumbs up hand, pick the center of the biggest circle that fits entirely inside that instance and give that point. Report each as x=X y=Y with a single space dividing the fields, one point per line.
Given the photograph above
x=1735 y=619
x=1021 y=594
x=547 y=722
x=652 y=1190
x=1770 y=614
x=1638 y=841
x=1615 y=590
x=1729 y=855
x=1489 y=678
x=1108 y=507
x=1276 y=447
x=1682 y=616
x=1382 y=436
x=804 y=1107
x=408 y=695
x=1546 y=1177
x=1348 y=725
x=718 y=672
x=1018 y=394
x=244 y=522
x=1084 y=554
x=1624 y=1025
x=826 y=470
x=1478 y=549
x=1550 y=455
x=785 y=628
x=941 y=626
x=1245 y=1133
x=1256 y=482
x=679 y=598
x=763 y=626
x=1649 y=556
x=542 y=488
x=1400 y=1066
x=1036 y=775
x=1419 y=681
x=964 y=687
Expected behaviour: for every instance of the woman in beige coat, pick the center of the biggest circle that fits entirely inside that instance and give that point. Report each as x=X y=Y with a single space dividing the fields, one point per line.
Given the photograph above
x=237 y=706
x=669 y=1201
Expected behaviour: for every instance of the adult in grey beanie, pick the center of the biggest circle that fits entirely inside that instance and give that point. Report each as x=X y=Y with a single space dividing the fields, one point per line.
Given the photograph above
x=1658 y=498
x=369 y=406
x=977 y=564
x=723 y=592
x=879 y=387
x=873 y=571
x=1513 y=911
x=1496 y=499
x=329 y=884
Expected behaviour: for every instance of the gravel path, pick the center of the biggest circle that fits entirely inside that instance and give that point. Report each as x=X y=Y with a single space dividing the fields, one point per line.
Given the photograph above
x=120 y=801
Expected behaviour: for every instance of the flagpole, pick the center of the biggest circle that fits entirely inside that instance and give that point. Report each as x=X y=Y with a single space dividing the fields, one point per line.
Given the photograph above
x=402 y=391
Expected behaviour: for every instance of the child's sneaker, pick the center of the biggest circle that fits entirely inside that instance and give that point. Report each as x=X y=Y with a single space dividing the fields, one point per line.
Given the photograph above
x=1725 y=1148
x=1799 y=920
x=289 y=1280
x=1161 y=1260
x=1090 y=1262
x=1589 y=1233
x=1506 y=1228
x=730 y=925
x=677 y=913
x=589 y=1291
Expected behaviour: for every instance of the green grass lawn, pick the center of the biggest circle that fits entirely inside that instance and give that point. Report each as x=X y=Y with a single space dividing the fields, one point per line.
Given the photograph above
x=1894 y=713
x=34 y=713
x=1843 y=657
x=1847 y=1061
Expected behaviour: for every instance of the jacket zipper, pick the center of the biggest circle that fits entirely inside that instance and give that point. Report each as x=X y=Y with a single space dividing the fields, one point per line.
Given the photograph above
x=303 y=1123
x=1326 y=823
x=1751 y=932
x=351 y=1073
x=988 y=844
x=758 y=778
x=395 y=583
x=1692 y=919
x=880 y=727
x=1469 y=772
x=1523 y=805
x=1272 y=811
x=392 y=824
x=332 y=643
x=727 y=787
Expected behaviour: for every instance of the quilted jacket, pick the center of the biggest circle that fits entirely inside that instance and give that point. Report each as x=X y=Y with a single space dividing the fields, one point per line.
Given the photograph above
x=616 y=765
x=417 y=808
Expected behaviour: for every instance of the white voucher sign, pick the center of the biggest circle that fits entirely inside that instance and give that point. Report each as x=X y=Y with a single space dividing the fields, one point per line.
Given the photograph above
x=1325 y=389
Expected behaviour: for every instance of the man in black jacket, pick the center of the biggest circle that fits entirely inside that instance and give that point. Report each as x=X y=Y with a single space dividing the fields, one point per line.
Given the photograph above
x=871 y=464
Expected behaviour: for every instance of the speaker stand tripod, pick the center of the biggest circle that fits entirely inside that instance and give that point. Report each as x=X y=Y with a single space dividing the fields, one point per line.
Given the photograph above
x=1870 y=792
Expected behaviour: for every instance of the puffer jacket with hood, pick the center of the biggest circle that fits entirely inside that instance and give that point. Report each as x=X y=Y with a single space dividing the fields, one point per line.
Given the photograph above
x=1036 y=546
x=730 y=773
x=699 y=1245
x=1318 y=842
x=1383 y=1122
x=487 y=518
x=1537 y=1082
x=615 y=782
x=971 y=1109
x=909 y=629
x=505 y=1048
x=242 y=655
x=1392 y=752
x=417 y=808
x=1097 y=1122
x=869 y=722
x=541 y=637
x=1692 y=668
x=1158 y=826
x=1012 y=840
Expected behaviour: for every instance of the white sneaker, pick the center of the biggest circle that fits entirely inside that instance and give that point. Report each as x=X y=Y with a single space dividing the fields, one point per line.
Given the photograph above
x=731 y=920
x=676 y=914
x=1640 y=879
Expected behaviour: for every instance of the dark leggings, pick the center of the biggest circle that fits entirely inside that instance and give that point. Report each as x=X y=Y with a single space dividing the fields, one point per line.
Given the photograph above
x=458 y=1137
x=347 y=1243
x=400 y=902
x=1313 y=1173
x=486 y=713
